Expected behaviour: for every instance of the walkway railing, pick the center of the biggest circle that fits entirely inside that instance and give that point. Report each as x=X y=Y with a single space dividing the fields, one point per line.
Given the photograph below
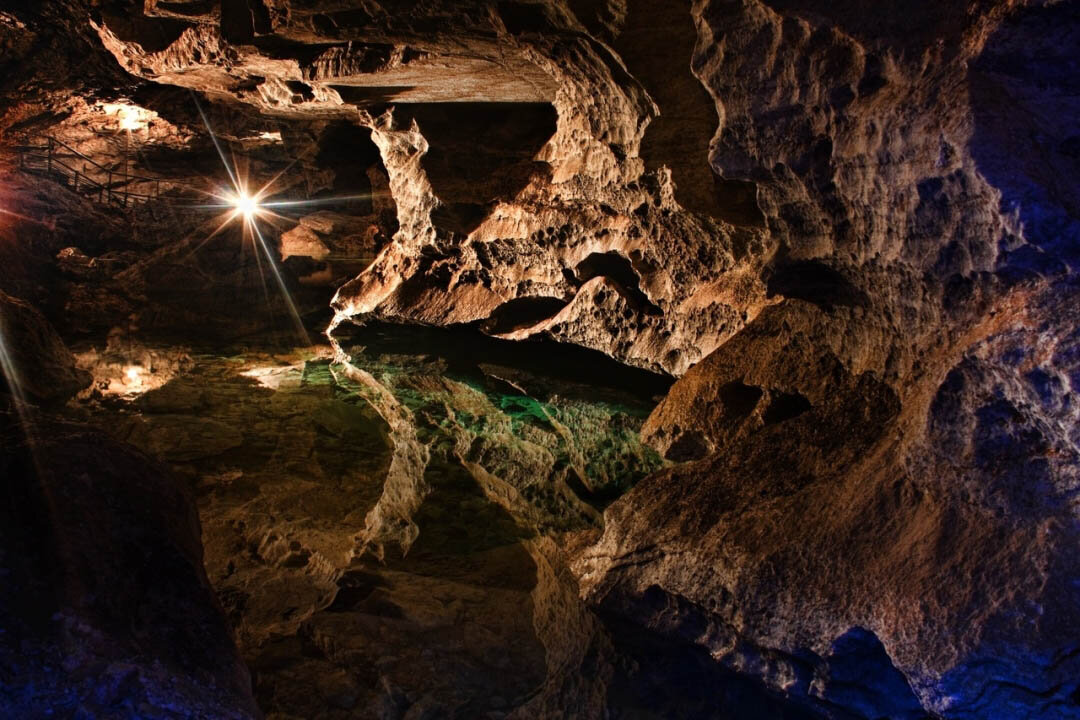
x=66 y=165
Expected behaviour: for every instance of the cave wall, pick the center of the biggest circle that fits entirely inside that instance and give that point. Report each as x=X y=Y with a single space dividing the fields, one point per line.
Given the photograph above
x=849 y=230
x=543 y=199
x=888 y=451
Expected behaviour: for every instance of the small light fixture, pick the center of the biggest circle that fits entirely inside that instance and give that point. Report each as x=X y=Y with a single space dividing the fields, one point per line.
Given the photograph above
x=129 y=120
x=246 y=205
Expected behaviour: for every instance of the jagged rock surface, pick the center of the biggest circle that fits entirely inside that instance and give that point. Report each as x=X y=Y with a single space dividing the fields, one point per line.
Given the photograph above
x=884 y=464
x=899 y=518
x=555 y=224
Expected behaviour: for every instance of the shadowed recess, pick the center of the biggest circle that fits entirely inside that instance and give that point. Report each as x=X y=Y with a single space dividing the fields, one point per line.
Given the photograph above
x=464 y=349
x=814 y=282
x=479 y=153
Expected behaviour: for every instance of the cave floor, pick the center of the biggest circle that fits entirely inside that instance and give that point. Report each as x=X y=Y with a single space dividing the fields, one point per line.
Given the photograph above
x=297 y=465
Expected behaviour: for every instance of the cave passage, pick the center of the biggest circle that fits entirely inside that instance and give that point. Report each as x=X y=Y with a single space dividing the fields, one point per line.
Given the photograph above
x=465 y=350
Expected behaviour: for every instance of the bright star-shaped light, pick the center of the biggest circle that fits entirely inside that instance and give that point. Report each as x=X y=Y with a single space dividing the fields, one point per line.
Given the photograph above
x=259 y=208
x=133 y=376
x=130 y=121
x=245 y=205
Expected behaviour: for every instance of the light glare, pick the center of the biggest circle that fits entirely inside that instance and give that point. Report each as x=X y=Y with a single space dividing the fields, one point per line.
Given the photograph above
x=128 y=116
x=246 y=205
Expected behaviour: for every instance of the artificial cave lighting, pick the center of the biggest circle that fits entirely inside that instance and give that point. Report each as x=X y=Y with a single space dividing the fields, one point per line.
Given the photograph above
x=128 y=116
x=126 y=369
x=246 y=205
x=133 y=376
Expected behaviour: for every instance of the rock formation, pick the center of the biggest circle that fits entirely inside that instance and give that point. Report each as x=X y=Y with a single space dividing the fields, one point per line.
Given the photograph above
x=105 y=604
x=37 y=364
x=750 y=343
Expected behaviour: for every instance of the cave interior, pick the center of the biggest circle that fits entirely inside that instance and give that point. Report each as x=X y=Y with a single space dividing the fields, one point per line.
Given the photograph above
x=600 y=359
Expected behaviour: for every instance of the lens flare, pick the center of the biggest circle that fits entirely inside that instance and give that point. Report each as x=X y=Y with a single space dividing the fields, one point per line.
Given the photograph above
x=246 y=205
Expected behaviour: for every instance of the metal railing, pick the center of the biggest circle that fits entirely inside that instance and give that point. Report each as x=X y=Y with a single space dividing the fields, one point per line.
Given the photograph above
x=60 y=162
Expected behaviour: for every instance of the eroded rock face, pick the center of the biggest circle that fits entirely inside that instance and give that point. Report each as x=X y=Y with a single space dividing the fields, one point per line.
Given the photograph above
x=556 y=180
x=896 y=518
x=871 y=456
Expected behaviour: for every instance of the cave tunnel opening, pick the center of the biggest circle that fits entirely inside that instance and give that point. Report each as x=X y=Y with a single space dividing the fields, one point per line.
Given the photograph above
x=349 y=151
x=464 y=348
x=521 y=313
x=619 y=268
x=479 y=154
x=813 y=281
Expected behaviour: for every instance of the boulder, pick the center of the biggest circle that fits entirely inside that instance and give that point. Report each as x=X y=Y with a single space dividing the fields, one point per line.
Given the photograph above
x=36 y=363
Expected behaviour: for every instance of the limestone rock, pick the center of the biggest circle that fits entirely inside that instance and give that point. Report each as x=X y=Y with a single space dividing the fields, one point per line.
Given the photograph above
x=849 y=229
x=897 y=518
x=36 y=363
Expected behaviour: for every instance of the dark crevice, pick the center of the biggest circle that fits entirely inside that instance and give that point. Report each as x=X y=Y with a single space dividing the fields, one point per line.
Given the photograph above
x=736 y=202
x=153 y=34
x=669 y=675
x=522 y=312
x=814 y=282
x=354 y=587
x=615 y=267
x=460 y=218
x=739 y=399
x=350 y=152
x=192 y=8
x=465 y=349
x=785 y=406
x=521 y=19
x=479 y=154
x=597 y=499
x=337 y=24
x=689 y=445
x=301 y=89
x=657 y=44
x=242 y=19
x=861 y=676
x=364 y=96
